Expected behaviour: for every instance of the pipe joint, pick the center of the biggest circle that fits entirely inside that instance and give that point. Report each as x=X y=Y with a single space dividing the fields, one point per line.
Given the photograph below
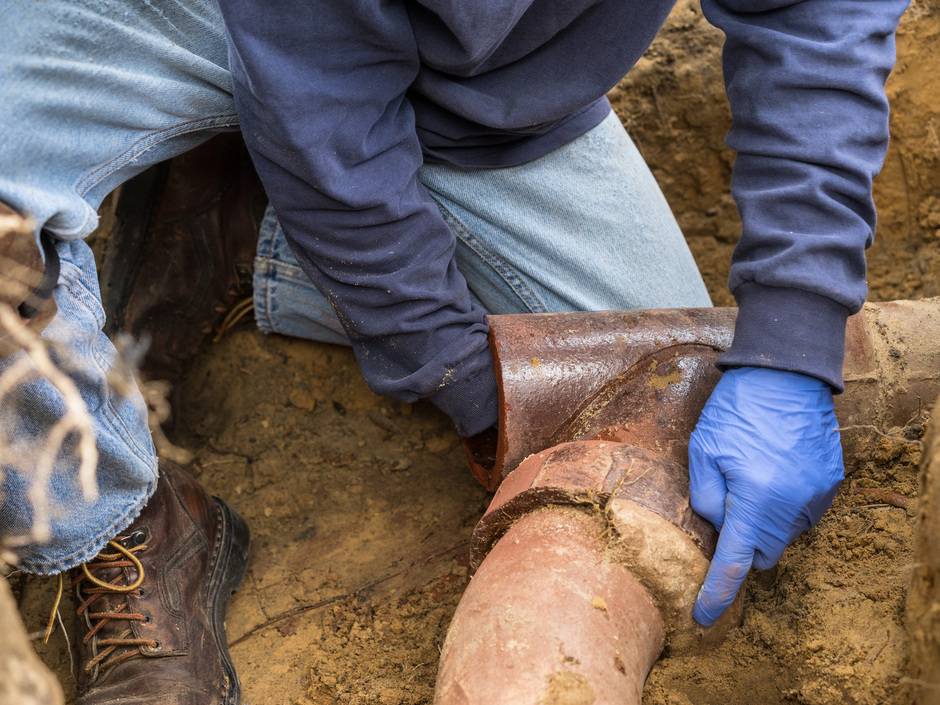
x=642 y=501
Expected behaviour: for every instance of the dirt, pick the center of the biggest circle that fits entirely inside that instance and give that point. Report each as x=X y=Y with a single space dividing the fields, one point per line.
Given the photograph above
x=923 y=603
x=567 y=688
x=362 y=508
x=827 y=625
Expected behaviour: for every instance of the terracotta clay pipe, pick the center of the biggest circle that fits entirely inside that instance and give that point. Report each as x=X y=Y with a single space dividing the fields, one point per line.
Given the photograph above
x=587 y=561
x=513 y=643
x=642 y=377
x=589 y=557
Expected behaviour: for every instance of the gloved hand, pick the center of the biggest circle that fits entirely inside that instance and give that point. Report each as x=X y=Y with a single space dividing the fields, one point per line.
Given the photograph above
x=765 y=462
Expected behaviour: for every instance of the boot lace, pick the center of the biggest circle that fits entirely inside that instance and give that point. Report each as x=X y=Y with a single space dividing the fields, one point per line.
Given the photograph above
x=109 y=650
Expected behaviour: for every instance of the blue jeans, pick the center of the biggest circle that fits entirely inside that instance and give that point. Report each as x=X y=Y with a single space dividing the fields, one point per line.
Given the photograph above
x=95 y=91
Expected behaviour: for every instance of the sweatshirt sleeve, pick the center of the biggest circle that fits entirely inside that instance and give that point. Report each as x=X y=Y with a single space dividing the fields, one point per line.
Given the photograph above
x=320 y=89
x=805 y=80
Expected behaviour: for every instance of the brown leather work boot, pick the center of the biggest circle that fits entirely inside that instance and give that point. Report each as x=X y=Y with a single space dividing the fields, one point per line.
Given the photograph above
x=180 y=255
x=151 y=605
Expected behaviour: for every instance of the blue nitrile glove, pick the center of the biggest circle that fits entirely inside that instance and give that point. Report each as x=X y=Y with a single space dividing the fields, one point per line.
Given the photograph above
x=765 y=461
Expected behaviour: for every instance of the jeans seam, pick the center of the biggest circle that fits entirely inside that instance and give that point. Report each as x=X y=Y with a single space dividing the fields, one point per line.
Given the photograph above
x=85 y=298
x=287 y=271
x=144 y=144
x=129 y=513
x=263 y=296
x=114 y=419
x=81 y=294
x=269 y=229
x=522 y=290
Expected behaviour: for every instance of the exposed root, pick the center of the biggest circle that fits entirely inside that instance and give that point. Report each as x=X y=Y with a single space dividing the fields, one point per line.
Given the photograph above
x=883 y=496
x=156 y=396
x=24 y=680
x=75 y=424
x=877 y=431
x=235 y=315
x=326 y=602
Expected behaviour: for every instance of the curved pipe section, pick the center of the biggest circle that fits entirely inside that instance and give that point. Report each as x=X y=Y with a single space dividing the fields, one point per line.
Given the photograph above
x=550 y=619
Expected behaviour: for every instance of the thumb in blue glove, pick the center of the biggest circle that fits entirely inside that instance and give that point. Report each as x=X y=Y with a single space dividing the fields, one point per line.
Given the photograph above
x=765 y=461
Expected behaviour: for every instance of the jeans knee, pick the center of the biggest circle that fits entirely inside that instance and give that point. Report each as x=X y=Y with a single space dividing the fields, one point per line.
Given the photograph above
x=126 y=463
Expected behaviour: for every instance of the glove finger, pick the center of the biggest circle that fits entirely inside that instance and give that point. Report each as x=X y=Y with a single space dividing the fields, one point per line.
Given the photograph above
x=767 y=556
x=707 y=488
x=728 y=569
x=819 y=506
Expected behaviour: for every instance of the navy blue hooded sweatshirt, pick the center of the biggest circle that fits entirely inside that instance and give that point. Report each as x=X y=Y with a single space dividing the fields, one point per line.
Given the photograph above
x=341 y=101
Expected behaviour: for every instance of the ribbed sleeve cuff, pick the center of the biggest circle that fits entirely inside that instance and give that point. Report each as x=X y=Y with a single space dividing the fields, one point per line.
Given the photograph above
x=788 y=329
x=471 y=402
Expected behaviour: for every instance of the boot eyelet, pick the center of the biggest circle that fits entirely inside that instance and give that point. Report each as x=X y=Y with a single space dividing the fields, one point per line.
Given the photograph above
x=147 y=619
x=140 y=592
x=137 y=538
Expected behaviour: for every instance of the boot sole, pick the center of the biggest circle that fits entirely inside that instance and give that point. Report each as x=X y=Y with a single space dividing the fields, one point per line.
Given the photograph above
x=229 y=570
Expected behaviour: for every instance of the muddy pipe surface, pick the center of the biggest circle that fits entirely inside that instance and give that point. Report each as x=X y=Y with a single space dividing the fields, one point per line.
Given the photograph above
x=589 y=557
x=550 y=619
x=642 y=377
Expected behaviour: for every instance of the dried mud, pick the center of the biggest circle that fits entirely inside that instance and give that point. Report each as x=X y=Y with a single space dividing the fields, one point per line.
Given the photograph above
x=362 y=508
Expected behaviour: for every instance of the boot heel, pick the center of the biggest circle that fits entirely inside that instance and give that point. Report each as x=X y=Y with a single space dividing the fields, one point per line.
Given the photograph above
x=229 y=573
x=238 y=538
